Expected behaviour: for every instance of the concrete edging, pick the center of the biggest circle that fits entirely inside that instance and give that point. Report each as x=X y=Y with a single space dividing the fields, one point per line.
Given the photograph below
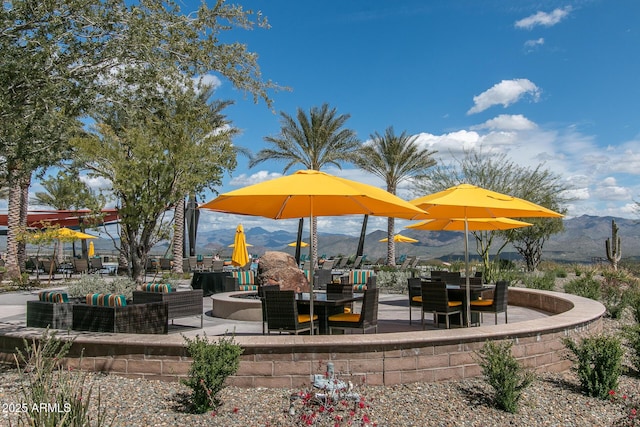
x=378 y=359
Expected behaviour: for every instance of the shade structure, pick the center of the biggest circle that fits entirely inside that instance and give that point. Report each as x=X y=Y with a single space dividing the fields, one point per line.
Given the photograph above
x=474 y=224
x=468 y=201
x=302 y=244
x=92 y=250
x=69 y=234
x=400 y=239
x=240 y=255
x=309 y=193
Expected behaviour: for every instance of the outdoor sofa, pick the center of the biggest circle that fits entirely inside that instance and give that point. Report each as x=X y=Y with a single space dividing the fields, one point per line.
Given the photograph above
x=180 y=303
x=51 y=310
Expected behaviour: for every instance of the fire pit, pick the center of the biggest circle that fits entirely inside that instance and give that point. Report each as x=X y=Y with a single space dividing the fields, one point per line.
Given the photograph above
x=238 y=305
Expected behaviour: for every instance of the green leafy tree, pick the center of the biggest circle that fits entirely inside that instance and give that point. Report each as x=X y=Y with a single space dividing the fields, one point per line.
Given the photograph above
x=61 y=59
x=394 y=159
x=497 y=173
x=313 y=141
x=154 y=152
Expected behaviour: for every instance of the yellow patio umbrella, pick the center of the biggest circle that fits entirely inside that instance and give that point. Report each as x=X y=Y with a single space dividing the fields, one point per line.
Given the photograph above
x=302 y=244
x=474 y=224
x=311 y=193
x=466 y=201
x=65 y=233
x=92 y=250
x=400 y=239
x=240 y=255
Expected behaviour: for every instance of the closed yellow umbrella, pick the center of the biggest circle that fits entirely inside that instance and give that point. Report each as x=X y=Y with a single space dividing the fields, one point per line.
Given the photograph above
x=466 y=201
x=91 y=251
x=400 y=239
x=240 y=255
x=233 y=245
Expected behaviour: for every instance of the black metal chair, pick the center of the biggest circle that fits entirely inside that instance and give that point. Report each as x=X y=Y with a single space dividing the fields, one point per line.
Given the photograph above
x=497 y=304
x=435 y=299
x=366 y=319
x=282 y=313
x=414 y=287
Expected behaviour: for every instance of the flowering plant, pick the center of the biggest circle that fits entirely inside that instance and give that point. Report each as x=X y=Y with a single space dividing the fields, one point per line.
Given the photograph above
x=330 y=402
x=631 y=404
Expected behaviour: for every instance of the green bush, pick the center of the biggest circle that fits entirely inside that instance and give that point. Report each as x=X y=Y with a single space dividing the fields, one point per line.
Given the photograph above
x=392 y=280
x=632 y=334
x=503 y=373
x=546 y=282
x=599 y=364
x=44 y=381
x=93 y=283
x=586 y=286
x=212 y=363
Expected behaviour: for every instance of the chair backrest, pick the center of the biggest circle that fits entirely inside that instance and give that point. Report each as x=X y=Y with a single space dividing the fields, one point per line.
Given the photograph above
x=434 y=297
x=327 y=264
x=339 y=289
x=165 y=264
x=369 y=311
x=207 y=262
x=216 y=265
x=372 y=282
x=414 y=287
x=306 y=265
x=357 y=262
x=96 y=263
x=281 y=310
x=501 y=295
x=405 y=263
x=193 y=263
x=343 y=262
x=80 y=265
x=414 y=262
x=321 y=278
x=436 y=274
x=450 y=277
x=262 y=290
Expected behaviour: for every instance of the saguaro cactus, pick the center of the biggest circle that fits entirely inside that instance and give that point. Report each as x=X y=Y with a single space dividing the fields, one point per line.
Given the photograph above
x=614 y=252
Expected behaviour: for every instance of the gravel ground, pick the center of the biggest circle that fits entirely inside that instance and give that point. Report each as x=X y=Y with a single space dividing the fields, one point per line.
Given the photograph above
x=552 y=400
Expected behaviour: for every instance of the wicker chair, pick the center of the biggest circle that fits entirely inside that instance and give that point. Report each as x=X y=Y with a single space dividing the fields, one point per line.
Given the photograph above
x=435 y=299
x=149 y=318
x=366 y=319
x=497 y=304
x=414 y=287
x=44 y=314
x=181 y=304
x=261 y=294
x=282 y=313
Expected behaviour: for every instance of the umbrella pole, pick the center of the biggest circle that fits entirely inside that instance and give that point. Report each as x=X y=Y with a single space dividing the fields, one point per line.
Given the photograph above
x=466 y=271
x=312 y=266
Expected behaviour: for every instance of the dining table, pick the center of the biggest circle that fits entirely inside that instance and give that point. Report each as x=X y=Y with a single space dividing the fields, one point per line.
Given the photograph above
x=325 y=305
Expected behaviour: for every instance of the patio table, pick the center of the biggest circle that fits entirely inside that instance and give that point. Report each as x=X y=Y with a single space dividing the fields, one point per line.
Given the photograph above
x=325 y=305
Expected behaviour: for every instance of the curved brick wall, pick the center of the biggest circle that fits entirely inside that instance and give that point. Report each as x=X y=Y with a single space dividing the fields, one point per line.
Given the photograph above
x=380 y=359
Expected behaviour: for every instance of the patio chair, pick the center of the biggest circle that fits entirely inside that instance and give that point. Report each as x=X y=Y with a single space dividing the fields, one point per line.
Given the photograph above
x=435 y=299
x=179 y=304
x=96 y=265
x=165 y=264
x=357 y=262
x=282 y=313
x=328 y=264
x=217 y=265
x=261 y=294
x=497 y=304
x=80 y=266
x=366 y=319
x=414 y=287
x=342 y=263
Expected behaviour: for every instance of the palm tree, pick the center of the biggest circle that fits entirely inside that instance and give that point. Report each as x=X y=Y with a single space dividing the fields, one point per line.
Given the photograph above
x=313 y=141
x=394 y=158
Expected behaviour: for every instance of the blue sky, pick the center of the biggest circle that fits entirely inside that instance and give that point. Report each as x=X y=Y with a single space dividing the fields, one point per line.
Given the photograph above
x=543 y=81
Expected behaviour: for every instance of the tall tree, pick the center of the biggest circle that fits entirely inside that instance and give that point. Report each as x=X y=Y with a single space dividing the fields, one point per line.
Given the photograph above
x=59 y=59
x=154 y=151
x=394 y=159
x=314 y=141
x=498 y=173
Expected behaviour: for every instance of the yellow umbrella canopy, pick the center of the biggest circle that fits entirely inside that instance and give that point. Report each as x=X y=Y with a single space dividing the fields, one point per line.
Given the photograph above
x=473 y=224
x=400 y=239
x=467 y=201
x=67 y=233
x=302 y=244
x=240 y=255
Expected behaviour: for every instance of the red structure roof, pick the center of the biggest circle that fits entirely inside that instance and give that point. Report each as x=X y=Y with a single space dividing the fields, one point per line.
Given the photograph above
x=64 y=218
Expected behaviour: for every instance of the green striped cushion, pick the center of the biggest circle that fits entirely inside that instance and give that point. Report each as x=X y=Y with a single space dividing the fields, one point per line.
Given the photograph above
x=248 y=287
x=359 y=287
x=307 y=274
x=244 y=277
x=53 y=296
x=359 y=276
x=156 y=287
x=106 y=300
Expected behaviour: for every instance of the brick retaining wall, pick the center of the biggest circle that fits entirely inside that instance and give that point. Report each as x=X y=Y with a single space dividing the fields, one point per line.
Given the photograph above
x=378 y=359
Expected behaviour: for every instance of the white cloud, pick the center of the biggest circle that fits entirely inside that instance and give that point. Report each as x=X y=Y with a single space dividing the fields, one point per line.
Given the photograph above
x=544 y=19
x=507 y=122
x=209 y=79
x=243 y=180
x=534 y=43
x=505 y=93
x=608 y=189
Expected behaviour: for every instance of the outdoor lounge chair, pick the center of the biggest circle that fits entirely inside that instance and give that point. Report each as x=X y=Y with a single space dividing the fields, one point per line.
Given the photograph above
x=51 y=310
x=151 y=318
x=435 y=299
x=366 y=319
x=180 y=304
x=497 y=304
x=282 y=313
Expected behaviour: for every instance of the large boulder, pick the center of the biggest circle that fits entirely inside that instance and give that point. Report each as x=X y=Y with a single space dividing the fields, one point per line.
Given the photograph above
x=280 y=268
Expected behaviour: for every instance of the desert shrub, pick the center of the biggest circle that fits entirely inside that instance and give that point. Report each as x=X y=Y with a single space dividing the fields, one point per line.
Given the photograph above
x=392 y=280
x=560 y=272
x=93 y=283
x=504 y=374
x=43 y=381
x=599 y=366
x=632 y=334
x=546 y=282
x=586 y=286
x=212 y=363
